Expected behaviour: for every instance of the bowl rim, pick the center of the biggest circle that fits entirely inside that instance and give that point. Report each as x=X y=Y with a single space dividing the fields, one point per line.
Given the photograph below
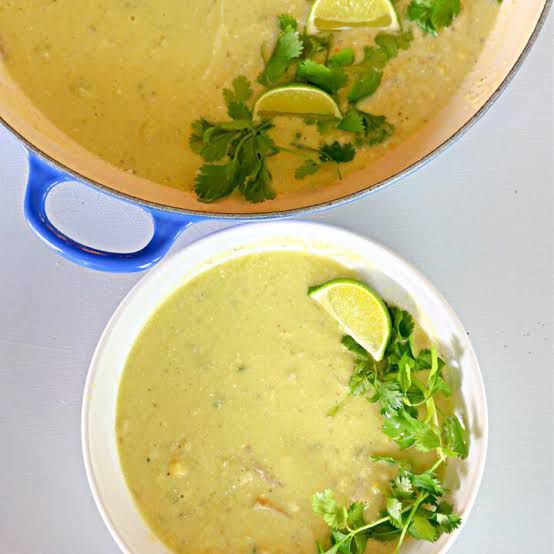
x=312 y=208
x=250 y=236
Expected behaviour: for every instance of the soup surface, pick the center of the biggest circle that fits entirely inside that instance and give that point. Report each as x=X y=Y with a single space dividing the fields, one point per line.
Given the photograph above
x=222 y=418
x=127 y=78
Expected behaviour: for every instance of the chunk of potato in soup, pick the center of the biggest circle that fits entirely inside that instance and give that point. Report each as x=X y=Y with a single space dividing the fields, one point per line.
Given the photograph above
x=126 y=79
x=222 y=418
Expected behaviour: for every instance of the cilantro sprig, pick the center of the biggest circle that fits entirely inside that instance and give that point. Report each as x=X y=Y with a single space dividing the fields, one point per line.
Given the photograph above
x=242 y=145
x=414 y=506
x=334 y=152
x=433 y=15
x=242 y=148
x=367 y=74
x=288 y=48
x=405 y=385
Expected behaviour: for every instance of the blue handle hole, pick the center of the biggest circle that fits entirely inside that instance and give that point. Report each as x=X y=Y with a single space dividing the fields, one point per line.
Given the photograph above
x=97 y=219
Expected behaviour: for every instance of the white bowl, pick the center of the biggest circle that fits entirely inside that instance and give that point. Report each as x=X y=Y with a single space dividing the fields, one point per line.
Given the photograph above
x=391 y=276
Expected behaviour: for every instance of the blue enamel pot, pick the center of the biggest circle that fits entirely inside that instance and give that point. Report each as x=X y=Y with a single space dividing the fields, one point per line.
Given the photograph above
x=55 y=158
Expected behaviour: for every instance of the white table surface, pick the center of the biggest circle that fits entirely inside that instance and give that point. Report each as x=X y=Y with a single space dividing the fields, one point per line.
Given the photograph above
x=477 y=222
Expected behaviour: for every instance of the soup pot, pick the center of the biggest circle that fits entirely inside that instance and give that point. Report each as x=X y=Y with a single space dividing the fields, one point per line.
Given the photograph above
x=55 y=158
x=386 y=273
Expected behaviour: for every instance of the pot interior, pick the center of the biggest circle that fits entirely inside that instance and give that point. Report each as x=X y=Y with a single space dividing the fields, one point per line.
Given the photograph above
x=512 y=31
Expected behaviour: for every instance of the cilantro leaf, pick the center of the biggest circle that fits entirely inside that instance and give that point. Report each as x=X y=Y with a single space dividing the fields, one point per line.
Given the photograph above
x=241 y=91
x=426 y=438
x=402 y=429
x=236 y=98
x=402 y=486
x=424 y=360
x=454 y=436
x=389 y=395
x=352 y=122
x=337 y=152
x=433 y=15
x=365 y=85
x=391 y=44
x=325 y=505
x=362 y=378
x=196 y=139
x=445 y=519
x=355 y=517
x=216 y=143
x=287 y=49
x=286 y=20
x=350 y=344
x=342 y=57
x=255 y=179
x=403 y=323
x=427 y=481
x=370 y=70
x=394 y=509
x=245 y=145
x=376 y=128
x=405 y=366
x=421 y=529
x=390 y=460
x=329 y=79
x=309 y=167
x=212 y=182
x=315 y=46
x=373 y=129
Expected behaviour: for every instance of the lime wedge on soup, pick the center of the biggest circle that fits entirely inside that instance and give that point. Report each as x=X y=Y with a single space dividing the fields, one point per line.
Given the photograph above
x=359 y=310
x=333 y=15
x=296 y=100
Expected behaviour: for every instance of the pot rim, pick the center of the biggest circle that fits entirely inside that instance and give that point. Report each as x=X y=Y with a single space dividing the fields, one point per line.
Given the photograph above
x=313 y=208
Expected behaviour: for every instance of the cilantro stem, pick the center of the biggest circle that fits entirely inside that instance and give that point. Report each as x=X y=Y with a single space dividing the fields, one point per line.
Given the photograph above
x=295 y=152
x=436 y=465
x=304 y=147
x=420 y=498
x=332 y=412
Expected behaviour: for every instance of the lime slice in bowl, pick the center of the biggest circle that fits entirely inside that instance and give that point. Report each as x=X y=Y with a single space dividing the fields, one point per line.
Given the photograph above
x=296 y=99
x=334 y=15
x=359 y=310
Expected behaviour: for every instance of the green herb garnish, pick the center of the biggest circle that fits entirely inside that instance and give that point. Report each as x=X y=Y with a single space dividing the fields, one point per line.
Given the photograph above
x=414 y=505
x=335 y=152
x=370 y=129
x=243 y=145
x=368 y=73
x=287 y=49
x=328 y=78
x=433 y=15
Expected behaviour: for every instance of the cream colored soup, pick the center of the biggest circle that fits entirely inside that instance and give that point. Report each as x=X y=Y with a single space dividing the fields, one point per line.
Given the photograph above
x=221 y=422
x=125 y=79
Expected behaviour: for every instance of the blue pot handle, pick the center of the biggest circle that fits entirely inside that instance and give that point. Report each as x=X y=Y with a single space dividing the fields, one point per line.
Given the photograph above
x=43 y=177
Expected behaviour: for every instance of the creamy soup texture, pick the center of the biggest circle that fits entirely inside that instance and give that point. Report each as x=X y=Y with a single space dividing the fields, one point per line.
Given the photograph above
x=221 y=421
x=126 y=78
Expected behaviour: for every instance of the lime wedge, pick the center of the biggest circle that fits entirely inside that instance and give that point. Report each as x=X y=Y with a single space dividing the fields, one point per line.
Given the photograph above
x=334 y=15
x=296 y=100
x=359 y=310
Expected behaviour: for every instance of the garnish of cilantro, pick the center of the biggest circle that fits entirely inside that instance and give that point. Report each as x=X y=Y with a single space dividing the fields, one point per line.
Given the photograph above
x=415 y=504
x=236 y=152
